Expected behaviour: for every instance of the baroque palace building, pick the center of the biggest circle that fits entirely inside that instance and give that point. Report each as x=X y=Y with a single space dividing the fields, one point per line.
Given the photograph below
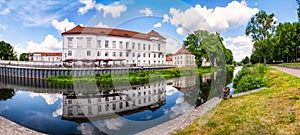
x=111 y=46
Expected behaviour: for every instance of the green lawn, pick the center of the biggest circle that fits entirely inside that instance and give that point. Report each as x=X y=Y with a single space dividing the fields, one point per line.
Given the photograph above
x=275 y=110
x=290 y=64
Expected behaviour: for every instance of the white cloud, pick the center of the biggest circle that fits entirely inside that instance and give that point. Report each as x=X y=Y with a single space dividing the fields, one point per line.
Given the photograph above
x=115 y=9
x=64 y=25
x=49 y=44
x=218 y=19
x=40 y=13
x=5 y=11
x=100 y=24
x=146 y=11
x=89 y=4
x=57 y=113
x=172 y=45
x=241 y=46
x=49 y=98
x=157 y=25
x=19 y=49
x=3 y=27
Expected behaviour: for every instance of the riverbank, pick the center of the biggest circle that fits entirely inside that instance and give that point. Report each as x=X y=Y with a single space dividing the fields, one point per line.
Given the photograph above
x=139 y=77
x=270 y=111
x=8 y=127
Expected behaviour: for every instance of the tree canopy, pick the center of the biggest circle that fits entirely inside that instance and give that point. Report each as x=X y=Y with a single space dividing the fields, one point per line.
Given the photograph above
x=201 y=43
x=261 y=28
x=24 y=57
x=7 y=51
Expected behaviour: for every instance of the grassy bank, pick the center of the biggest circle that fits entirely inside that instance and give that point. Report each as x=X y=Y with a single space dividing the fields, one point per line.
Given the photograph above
x=274 y=110
x=139 y=77
x=290 y=64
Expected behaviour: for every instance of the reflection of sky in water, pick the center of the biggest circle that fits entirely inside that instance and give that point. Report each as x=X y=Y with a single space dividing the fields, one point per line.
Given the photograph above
x=42 y=112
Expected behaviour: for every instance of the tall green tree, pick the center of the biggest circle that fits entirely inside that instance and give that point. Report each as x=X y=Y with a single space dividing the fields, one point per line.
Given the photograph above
x=24 y=57
x=261 y=28
x=201 y=43
x=229 y=56
x=7 y=51
x=246 y=60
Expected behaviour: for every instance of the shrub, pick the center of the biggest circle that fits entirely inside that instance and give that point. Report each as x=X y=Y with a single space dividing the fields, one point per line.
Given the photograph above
x=250 y=82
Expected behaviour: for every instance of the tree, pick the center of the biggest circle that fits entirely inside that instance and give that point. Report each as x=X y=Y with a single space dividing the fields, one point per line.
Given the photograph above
x=6 y=94
x=228 y=56
x=24 y=57
x=201 y=43
x=7 y=51
x=246 y=60
x=261 y=28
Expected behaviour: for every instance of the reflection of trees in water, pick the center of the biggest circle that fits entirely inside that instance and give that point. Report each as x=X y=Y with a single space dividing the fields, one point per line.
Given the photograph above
x=209 y=90
x=6 y=94
x=229 y=77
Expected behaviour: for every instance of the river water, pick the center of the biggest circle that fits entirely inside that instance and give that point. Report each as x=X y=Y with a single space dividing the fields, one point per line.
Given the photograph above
x=81 y=109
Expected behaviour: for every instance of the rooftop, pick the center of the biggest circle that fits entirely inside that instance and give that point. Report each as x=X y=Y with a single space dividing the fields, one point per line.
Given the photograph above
x=112 y=32
x=182 y=50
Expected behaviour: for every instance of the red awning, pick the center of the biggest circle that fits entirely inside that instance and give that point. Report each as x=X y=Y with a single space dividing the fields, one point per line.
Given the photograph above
x=98 y=59
x=85 y=59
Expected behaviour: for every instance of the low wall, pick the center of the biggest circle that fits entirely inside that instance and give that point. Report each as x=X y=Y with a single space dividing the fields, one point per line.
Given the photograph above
x=43 y=73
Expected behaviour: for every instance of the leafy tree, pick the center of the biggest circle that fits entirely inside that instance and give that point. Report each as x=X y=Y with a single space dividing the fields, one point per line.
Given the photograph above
x=201 y=43
x=246 y=60
x=228 y=56
x=6 y=94
x=24 y=57
x=7 y=51
x=261 y=28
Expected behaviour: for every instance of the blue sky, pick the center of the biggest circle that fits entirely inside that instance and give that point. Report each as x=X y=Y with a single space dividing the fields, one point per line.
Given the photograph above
x=36 y=25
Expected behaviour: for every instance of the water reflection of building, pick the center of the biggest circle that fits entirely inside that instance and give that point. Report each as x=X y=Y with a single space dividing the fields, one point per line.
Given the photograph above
x=185 y=83
x=81 y=107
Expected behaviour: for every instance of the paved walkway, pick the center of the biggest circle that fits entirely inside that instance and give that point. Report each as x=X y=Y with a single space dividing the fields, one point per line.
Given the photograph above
x=295 y=72
x=10 y=128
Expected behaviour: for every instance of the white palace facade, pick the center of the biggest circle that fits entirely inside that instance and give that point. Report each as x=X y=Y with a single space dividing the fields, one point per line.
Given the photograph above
x=114 y=46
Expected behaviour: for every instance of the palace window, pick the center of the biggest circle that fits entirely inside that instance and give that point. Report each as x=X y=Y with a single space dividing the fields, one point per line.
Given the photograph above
x=98 y=43
x=127 y=45
x=114 y=44
x=106 y=53
x=149 y=47
x=69 y=53
x=79 y=42
x=70 y=42
x=99 y=108
x=99 y=53
x=114 y=53
x=121 y=54
x=106 y=43
x=144 y=46
x=139 y=46
x=88 y=53
x=133 y=45
x=89 y=42
x=158 y=47
x=121 y=45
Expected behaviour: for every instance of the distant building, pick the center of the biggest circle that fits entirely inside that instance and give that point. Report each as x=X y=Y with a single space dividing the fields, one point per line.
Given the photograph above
x=169 y=60
x=114 y=46
x=184 y=58
x=45 y=56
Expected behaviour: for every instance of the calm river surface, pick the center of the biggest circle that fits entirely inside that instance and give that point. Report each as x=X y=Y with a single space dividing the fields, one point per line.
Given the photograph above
x=80 y=109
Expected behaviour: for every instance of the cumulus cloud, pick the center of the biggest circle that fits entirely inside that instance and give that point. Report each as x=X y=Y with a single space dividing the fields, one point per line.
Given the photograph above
x=157 y=25
x=115 y=9
x=100 y=24
x=107 y=126
x=57 y=113
x=19 y=49
x=3 y=27
x=146 y=11
x=4 y=11
x=49 y=98
x=241 y=46
x=63 y=26
x=172 y=45
x=181 y=107
x=49 y=44
x=218 y=19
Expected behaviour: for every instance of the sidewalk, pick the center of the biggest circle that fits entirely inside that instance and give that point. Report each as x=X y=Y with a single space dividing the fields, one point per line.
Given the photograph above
x=295 y=72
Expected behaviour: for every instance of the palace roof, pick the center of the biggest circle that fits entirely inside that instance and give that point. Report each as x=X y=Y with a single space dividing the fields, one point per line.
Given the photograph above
x=112 y=32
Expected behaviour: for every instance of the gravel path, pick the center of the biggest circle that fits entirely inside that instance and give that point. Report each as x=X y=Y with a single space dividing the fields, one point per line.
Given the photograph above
x=295 y=72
